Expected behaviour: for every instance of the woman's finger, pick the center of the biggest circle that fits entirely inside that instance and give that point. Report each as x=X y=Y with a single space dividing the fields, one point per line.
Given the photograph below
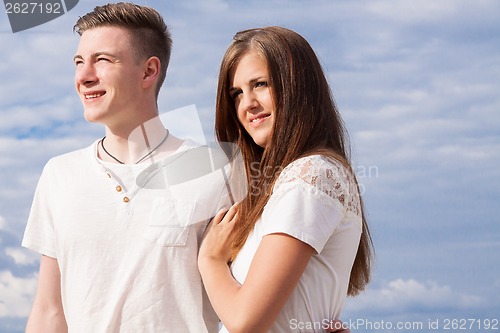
x=219 y=216
x=235 y=217
x=230 y=214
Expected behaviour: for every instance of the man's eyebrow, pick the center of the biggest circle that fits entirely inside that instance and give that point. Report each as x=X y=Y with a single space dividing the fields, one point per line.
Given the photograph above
x=95 y=55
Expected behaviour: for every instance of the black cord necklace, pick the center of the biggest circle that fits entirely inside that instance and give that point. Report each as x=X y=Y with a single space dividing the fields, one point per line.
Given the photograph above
x=142 y=158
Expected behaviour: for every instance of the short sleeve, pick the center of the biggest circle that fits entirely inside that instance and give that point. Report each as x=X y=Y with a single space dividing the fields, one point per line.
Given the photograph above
x=309 y=201
x=39 y=234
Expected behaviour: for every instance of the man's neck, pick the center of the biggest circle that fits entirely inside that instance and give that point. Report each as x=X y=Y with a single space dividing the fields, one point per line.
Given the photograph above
x=129 y=145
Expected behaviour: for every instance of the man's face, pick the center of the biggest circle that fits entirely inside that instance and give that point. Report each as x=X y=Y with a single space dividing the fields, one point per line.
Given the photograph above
x=108 y=76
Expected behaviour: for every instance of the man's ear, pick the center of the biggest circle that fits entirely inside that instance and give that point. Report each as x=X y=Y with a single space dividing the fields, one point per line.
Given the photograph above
x=151 y=72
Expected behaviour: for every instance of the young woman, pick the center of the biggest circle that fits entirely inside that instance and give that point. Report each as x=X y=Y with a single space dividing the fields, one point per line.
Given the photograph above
x=298 y=243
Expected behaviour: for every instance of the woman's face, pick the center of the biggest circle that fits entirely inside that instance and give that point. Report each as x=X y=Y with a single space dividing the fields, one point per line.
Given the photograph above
x=253 y=98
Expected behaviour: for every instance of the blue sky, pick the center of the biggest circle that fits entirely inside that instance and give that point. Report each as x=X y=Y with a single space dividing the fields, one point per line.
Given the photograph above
x=417 y=83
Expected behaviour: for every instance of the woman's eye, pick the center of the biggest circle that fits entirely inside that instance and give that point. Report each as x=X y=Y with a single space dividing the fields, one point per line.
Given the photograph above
x=235 y=94
x=261 y=84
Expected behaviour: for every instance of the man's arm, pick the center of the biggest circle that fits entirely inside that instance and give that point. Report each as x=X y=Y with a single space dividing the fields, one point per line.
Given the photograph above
x=47 y=314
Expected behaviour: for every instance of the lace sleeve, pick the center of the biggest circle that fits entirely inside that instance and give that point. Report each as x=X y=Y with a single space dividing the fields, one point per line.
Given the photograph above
x=327 y=175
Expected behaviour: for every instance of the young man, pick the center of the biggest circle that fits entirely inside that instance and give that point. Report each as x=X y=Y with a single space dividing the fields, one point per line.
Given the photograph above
x=118 y=244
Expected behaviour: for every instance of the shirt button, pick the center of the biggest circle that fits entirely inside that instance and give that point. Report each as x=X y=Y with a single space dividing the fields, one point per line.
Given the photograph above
x=126 y=199
x=118 y=188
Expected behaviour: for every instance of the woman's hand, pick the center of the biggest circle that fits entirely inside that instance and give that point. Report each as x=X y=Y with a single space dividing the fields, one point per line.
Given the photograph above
x=216 y=244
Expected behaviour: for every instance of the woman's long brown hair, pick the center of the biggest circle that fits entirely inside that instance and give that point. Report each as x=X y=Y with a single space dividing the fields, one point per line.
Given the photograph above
x=306 y=121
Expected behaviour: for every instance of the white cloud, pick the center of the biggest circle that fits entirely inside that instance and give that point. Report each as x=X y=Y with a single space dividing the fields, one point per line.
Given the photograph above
x=16 y=294
x=3 y=223
x=42 y=114
x=22 y=256
x=208 y=6
x=400 y=296
x=32 y=68
x=411 y=11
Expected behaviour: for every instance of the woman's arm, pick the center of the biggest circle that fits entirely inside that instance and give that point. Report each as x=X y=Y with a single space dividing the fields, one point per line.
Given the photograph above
x=47 y=314
x=274 y=272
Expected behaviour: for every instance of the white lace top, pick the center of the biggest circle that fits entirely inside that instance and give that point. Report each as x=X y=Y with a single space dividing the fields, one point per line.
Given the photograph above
x=325 y=174
x=315 y=200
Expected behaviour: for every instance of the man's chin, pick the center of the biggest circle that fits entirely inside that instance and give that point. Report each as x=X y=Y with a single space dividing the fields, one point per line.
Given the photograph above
x=92 y=117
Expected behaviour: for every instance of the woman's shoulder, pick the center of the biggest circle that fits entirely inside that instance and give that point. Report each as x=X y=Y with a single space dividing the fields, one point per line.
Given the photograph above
x=313 y=167
x=325 y=174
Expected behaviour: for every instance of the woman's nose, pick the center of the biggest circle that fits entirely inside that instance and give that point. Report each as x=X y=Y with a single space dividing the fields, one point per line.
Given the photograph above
x=249 y=101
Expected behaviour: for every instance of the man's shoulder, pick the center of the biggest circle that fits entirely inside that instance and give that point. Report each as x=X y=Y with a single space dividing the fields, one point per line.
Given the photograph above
x=72 y=159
